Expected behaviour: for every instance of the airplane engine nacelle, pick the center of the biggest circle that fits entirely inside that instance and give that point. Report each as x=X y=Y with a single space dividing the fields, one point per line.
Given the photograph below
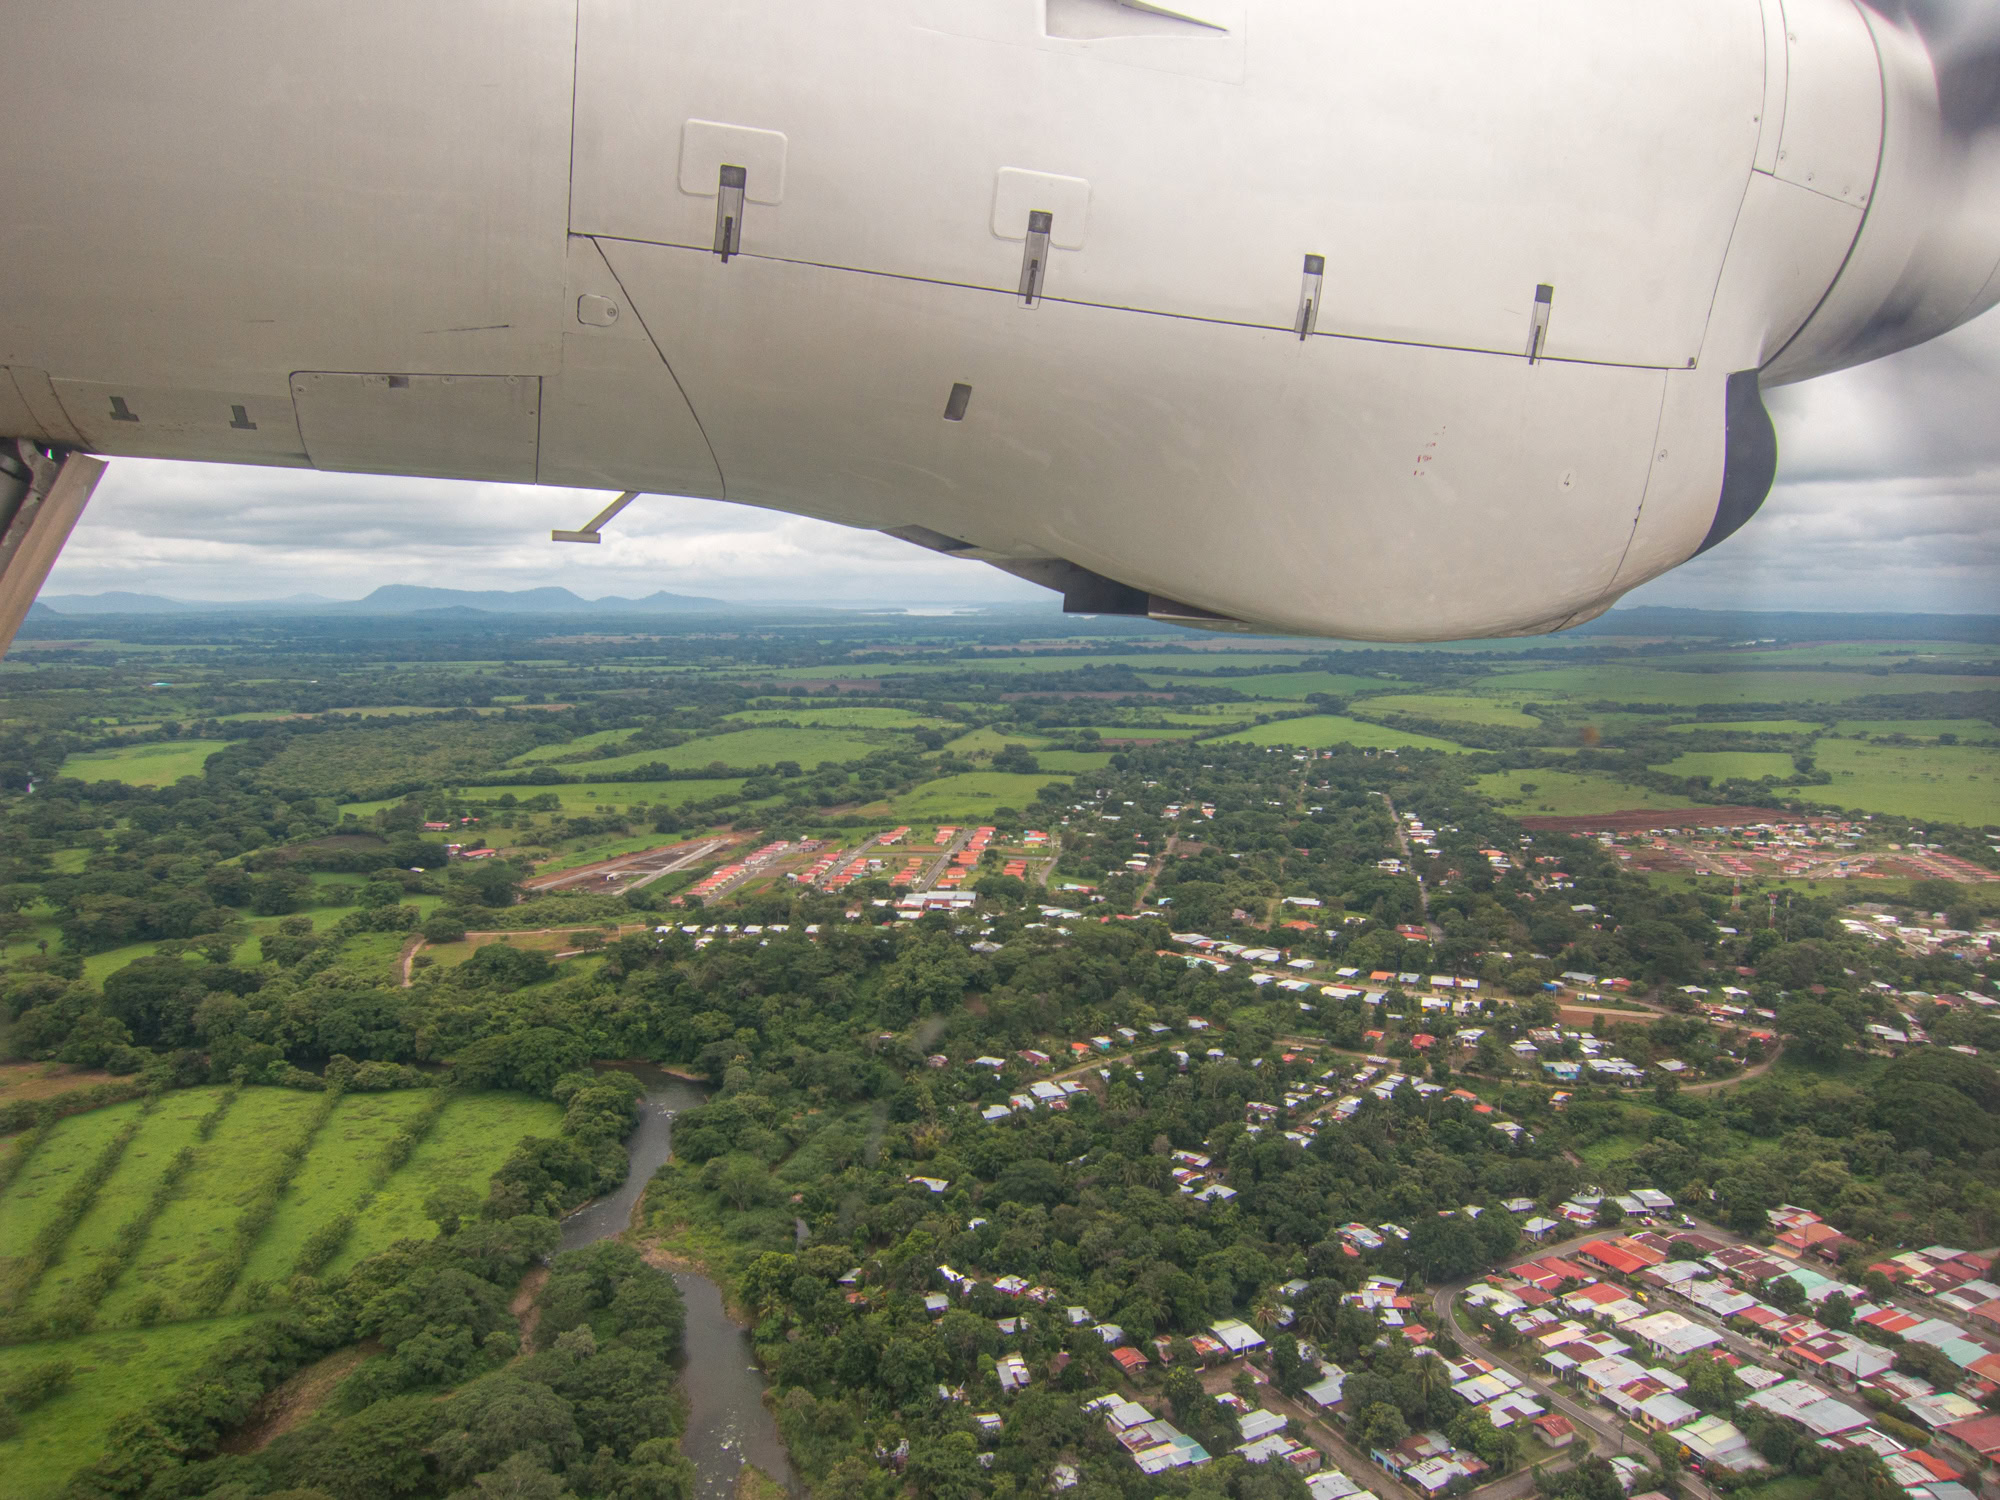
x=1383 y=322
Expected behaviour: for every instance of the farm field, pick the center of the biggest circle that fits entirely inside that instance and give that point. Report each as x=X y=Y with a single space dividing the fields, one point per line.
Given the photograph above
x=1568 y=793
x=31 y=1201
x=342 y=1164
x=1319 y=731
x=838 y=716
x=1072 y=761
x=970 y=794
x=1752 y=726
x=984 y=741
x=745 y=748
x=1283 y=685
x=570 y=747
x=1638 y=684
x=584 y=798
x=1462 y=708
x=144 y=765
x=1959 y=783
x=1969 y=731
x=1721 y=765
x=470 y=1140
x=116 y=1372
x=121 y=1365
x=196 y=1229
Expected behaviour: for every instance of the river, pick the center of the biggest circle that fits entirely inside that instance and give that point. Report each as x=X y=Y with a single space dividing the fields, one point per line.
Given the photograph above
x=728 y=1424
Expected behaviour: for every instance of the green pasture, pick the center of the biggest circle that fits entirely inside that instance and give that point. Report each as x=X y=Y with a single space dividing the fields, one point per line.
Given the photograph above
x=1639 y=684
x=1969 y=731
x=570 y=747
x=32 y=1199
x=1958 y=783
x=166 y=1130
x=340 y=1167
x=1569 y=794
x=985 y=740
x=1750 y=726
x=618 y=795
x=763 y=746
x=160 y=764
x=1323 y=731
x=1283 y=685
x=1073 y=761
x=197 y=1228
x=474 y=1135
x=1458 y=708
x=1723 y=765
x=970 y=794
x=116 y=1372
x=812 y=715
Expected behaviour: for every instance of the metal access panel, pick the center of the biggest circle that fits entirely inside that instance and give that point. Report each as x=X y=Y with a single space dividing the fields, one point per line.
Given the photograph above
x=454 y=426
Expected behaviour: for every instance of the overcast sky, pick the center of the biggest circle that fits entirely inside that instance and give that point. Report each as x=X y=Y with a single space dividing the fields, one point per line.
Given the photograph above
x=1885 y=500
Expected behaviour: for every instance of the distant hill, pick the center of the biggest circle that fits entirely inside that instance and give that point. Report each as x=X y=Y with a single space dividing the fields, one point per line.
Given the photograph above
x=390 y=599
x=408 y=598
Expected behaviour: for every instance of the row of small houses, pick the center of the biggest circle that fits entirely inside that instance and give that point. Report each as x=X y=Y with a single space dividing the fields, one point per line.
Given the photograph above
x=1596 y=1347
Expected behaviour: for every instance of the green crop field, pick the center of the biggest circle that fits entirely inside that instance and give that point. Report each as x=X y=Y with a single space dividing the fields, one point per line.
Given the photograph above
x=166 y=1130
x=1569 y=794
x=144 y=765
x=197 y=1228
x=120 y=1365
x=840 y=716
x=341 y=1166
x=970 y=794
x=1068 y=762
x=32 y=1199
x=1969 y=731
x=584 y=798
x=1290 y=686
x=745 y=748
x=470 y=1140
x=1459 y=708
x=984 y=741
x=1635 y=684
x=1322 y=731
x=1959 y=783
x=1721 y=765
x=116 y=1372
x=1753 y=726
x=570 y=747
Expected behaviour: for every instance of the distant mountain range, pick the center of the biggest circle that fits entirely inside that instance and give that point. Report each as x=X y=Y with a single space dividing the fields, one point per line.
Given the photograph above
x=390 y=599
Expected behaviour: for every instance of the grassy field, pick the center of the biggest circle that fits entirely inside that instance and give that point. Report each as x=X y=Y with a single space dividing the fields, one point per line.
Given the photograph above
x=1959 y=783
x=120 y=1366
x=144 y=765
x=339 y=1168
x=584 y=798
x=168 y=1128
x=1069 y=762
x=570 y=747
x=984 y=741
x=1321 y=731
x=1290 y=686
x=840 y=716
x=196 y=1229
x=33 y=1197
x=970 y=794
x=1459 y=708
x=1753 y=726
x=1969 y=731
x=468 y=1143
x=116 y=1372
x=764 y=746
x=1721 y=765
x=1568 y=793
x=1635 y=684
